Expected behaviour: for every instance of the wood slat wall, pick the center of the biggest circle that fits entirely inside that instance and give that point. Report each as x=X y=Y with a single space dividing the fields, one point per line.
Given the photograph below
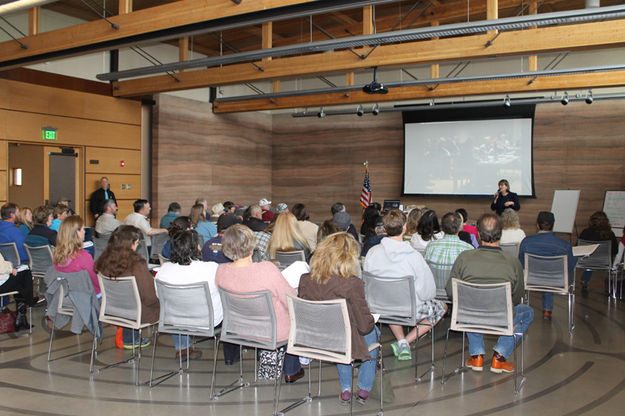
x=198 y=154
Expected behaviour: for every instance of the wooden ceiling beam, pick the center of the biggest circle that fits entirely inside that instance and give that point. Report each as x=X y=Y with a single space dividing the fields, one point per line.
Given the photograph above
x=476 y=88
x=180 y=13
x=522 y=42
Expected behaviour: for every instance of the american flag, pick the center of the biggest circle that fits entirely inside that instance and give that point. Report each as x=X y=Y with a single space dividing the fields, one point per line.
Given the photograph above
x=365 y=194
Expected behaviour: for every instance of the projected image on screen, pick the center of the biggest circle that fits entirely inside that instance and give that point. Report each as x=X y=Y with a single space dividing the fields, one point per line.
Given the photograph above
x=468 y=157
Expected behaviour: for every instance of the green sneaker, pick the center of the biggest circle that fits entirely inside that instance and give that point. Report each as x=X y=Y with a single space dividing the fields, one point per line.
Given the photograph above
x=395 y=349
x=404 y=353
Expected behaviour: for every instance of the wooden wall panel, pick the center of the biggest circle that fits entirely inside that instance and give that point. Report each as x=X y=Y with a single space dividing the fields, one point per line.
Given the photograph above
x=3 y=155
x=25 y=97
x=109 y=161
x=3 y=124
x=198 y=154
x=24 y=126
x=4 y=195
x=92 y=182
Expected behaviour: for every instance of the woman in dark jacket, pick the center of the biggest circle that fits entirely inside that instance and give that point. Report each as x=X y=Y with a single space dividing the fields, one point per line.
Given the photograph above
x=334 y=275
x=504 y=198
x=599 y=229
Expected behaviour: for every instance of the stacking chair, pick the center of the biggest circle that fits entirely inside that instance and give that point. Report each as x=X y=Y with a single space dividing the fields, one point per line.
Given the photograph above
x=511 y=248
x=100 y=241
x=441 y=272
x=321 y=330
x=158 y=241
x=121 y=306
x=286 y=258
x=600 y=259
x=59 y=294
x=550 y=274
x=185 y=310
x=40 y=261
x=142 y=249
x=485 y=309
x=9 y=253
x=395 y=300
x=249 y=321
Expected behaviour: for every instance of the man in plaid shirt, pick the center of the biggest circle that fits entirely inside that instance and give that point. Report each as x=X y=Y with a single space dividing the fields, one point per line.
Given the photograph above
x=445 y=250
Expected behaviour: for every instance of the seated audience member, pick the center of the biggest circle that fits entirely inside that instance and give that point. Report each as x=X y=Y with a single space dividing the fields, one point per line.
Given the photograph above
x=204 y=203
x=428 y=230
x=229 y=207
x=368 y=225
x=204 y=228
x=253 y=218
x=262 y=242
x=242 y=275
x=41 y=234
x=58 y=215
x=182 y=223
x=599 y=229
x=268 y=214
x=69 y=255
x=546 y=243
x=173 y=212
x=621 y=250
x=512 y=232
x=394 y=258
x=139 y=219
x=22 y=283
x=308 y=229
x=374 y=240
x=217 y=209
x=282 y=207
x=467 y=228
x=286 y=236
x=446 y=250
x=490 y=264
x=334 y=271
x=106 y=222
x=413 y=222
x=9 y=233
x=213 y=248
x=121 y=259
x=26 y=220
x=339 y=207
x=328 y=227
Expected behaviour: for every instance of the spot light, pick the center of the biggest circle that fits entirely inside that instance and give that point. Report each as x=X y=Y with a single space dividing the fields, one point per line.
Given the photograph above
x=321 y=113
x=376 y=110
x=506 y=101
x=589 y=98
x=359 y=111
x=565 y=99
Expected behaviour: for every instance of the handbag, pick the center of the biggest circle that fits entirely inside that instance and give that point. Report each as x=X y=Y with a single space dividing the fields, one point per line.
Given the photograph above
x=268 y=368
x=7 y=321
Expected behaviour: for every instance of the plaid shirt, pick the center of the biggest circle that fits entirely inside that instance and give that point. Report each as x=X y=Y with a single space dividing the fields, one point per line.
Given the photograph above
x=445 y=250
x=262 y=241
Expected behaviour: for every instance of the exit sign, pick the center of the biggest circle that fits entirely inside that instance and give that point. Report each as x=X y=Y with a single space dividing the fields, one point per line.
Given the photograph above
x=49 y=133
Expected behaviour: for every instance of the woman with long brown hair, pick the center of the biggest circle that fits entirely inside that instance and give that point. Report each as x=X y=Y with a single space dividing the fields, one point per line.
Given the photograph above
x=69 y=255
x=334 y=275
x=599 y=229
x=203 y=227
x=120 y=259
x=286 y=236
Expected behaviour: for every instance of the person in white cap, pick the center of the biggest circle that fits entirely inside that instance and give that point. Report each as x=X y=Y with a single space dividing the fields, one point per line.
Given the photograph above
x=268 y=214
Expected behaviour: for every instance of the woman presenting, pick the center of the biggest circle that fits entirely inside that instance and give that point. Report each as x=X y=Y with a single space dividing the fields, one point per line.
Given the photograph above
x=504 y=198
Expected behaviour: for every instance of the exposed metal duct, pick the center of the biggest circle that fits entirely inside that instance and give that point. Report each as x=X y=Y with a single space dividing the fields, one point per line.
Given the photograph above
x=18 y=5
x=511 y=23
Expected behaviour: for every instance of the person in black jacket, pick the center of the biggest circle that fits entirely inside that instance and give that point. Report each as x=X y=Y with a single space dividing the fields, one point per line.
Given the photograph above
x=99 y=196
x=504 y=198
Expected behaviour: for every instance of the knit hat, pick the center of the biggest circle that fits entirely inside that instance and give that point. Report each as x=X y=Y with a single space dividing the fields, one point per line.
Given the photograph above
x=342 y=220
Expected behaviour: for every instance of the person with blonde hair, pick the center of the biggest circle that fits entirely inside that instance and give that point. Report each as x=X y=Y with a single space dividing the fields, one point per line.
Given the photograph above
x=203 y=227
x=69 y=256
x=286 y=236
x=512 y=232
x=25 y=223
x=334 y=270
x=413 y=221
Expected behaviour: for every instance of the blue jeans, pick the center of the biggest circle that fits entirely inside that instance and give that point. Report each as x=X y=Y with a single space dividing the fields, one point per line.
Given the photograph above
x=291 y=364
x=523 y=317
x=366 y=374
x=548 y=297
x=586 y=276
x=180 y=341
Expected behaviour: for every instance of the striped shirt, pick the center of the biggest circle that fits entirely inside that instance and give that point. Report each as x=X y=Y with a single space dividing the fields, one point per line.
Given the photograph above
x=445 y=250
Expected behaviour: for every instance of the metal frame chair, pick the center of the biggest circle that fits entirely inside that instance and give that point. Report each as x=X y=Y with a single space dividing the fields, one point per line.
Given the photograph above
x=600 y=259
x=100 y=241
x=9 y=253
x=395 y=300
x=441 y=272
x=40 y=261
x=158 y=242
x=121 y=306
x=511 y=248
x=162 y=259
x=250 y=321
x=142 y=249
x=321 y=330
x=484 y=309
x=185 y=310
x=550 y=274
x=286 y=258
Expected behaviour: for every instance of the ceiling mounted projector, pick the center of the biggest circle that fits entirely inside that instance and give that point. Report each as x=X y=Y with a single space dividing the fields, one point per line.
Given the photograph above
x=375 y=87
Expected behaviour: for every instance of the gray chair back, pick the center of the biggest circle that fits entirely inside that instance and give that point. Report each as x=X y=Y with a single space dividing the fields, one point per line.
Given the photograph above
x=286 y=258
x=142 y=249
x=121 y=304
x=100 y=241
x=441 y=272
x=600 y=259
x=10 y=253
x=320 y=330
x=249 y=319
x=511 y=248
x=40 y=259
x=483 y=308
x=546 y=273
x=185 y=309
x=393 y=298
x=158 y=241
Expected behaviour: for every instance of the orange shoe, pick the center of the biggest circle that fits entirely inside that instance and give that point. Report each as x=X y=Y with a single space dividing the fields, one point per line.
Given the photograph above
x=476 y=362
x=119 y=338
x=500 y=365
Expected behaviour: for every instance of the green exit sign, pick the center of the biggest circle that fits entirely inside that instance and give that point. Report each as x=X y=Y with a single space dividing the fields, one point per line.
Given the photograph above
x=49 y=133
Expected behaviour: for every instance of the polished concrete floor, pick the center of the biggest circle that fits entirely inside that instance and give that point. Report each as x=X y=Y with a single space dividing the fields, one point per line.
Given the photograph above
x=583 y=373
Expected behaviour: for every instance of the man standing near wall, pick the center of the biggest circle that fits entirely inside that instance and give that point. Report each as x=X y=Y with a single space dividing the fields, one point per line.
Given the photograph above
x=99 y=196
